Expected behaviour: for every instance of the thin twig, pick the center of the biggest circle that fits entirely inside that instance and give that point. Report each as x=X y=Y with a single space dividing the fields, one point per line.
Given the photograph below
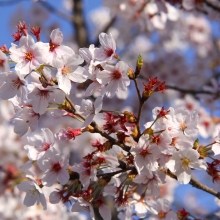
x=195 y=183
x=114 y=173
x=141 y=104
x=190 y=91
x=57 y=12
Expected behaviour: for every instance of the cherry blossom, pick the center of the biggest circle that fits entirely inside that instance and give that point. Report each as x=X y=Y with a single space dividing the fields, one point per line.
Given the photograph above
x=41 y=97
x=4 y=66
x=34 y=193
x=56 y=50
x=14 y=85
x=55 y=168
x=41 y=142
x=28 y=55
x=68 y=70
x=182 y=163
x=116 y=78
x=89 y=109
x=107 y=51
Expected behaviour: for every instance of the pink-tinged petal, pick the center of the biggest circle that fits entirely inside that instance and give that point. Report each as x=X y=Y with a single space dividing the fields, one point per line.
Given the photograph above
x=8 y=91
x=25 y=186
x=77 y=207
x=165 y=205
x=171 y=215
x=64 y=82
x=31 y=151
x=105 y=212
x=54 y=197
x=20 y=127
x=48 y=135
x=26 y=166
x=111 y=88
x=107 y=41
x=100 y=54
x=74 y=60
x=57 y=96
x=44 y=164
x=31 y=198
x=77 y=75
x=98 y=105
x=64 y=51
x=56 y=36
x=122 y=67
x=49 y=178
x=183 y=176
x=40 y=105
x=88 y=120
x=199 y=164
x=42 y=200
x=33 y=122
x=86 y=54
x=63 y=176
x=139 y=162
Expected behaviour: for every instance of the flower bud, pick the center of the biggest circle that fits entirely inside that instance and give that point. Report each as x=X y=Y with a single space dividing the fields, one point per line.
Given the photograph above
x=139 y=65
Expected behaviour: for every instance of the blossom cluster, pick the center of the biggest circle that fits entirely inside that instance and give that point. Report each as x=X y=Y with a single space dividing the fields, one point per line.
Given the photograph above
x=40 y=83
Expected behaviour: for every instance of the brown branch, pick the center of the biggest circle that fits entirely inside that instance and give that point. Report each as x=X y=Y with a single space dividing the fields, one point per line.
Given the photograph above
x=105 y=30
x=211 y=5
x=190 y=91
x=114 y=173
x=81 y=33
x=195 y=183
x=55 y=11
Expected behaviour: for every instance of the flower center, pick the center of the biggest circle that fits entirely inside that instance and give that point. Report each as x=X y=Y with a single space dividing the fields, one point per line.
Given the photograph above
x=66 y=70
x=43 y=94
x=46 y=147
x=56 y=167
x=2 y=63
x=162 y=214
x=28 y=56
x=17 y=83
x=53 y=46
x=144 y=152
x=185 y=163
x=116 y=74
x=108 y=51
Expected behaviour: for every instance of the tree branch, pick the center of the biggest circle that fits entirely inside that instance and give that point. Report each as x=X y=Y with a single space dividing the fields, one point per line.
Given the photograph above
x=211 y=5
x=81 y=34
x=195 y=183
x=57 y=12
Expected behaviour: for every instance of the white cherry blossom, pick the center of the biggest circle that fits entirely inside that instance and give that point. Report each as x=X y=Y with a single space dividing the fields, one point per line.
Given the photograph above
x=28 y=55
x=41 y=97
x=56 y=50
x=89 y=109
x=55 y=169
x=68 y=70
x=183 y=161
x=14 y=84
x=107 y=51
x=116 y=78
x=34 y=193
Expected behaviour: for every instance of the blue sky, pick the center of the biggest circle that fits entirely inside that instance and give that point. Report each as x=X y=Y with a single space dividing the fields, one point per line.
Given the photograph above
x=13 y=12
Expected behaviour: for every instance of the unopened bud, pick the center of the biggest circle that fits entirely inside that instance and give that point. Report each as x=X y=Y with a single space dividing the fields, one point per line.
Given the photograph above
x=134 y=133
x=139 y=65
x=196 y=144
x=130 y=73
x=149 y=131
